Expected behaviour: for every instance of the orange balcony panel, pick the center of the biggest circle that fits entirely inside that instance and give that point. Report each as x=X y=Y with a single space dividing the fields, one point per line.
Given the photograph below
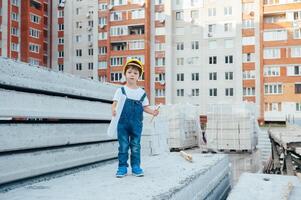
x=14 y=55
x=248 y=16
x=278 y=25
x=60 y=20
x=159 y=8
x=281 y=61
x=15 y=24
x=249 y=83
x=103 y=42
x=60 y=47
x=126 y=37
x=160 y=54
x=127 y=22
x=282 y=79
x=250 y=99
x=159 y=24
x=159 y=85
x=14 y=39
x=126 y=53
x=60 y=33
x=247 y=1
x=281 y=7
x=60 y=61
x=248 y=66
x=160 y=39
x=159 y=70
x=248 y=49
x=116 y=69
x=289 y=42
x=248 y=32
x=159 y=100
x=102 y=57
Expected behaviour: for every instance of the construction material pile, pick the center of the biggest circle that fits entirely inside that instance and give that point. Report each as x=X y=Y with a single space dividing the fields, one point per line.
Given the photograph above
x=231 y=127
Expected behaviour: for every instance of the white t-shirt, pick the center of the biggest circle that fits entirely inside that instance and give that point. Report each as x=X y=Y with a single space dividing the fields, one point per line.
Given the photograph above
x=135 y=94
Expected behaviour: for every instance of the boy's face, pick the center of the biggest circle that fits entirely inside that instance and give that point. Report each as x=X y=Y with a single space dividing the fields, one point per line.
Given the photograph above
x=132 y=75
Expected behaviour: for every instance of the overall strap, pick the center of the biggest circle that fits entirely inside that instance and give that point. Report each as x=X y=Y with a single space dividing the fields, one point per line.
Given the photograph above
x=142 y=98
x=123 y=91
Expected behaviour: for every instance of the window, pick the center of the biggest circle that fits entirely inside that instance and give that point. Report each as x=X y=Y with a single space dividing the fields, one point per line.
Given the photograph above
x=78 y=66
x=34 y=48
x=180 y=46
x=60 y=13
x=103 y=36
x=213 y=92
x=90 y=38
x=228 y=91
x=14 y=31
x=78 y=38
x=248 y=57
x=160 y=77
x=248 y=74
x=180 y=92
x=179 y=15
x=15 y=47
x=115 y=16
x=90 y=66
x=136 y=44
x=61 y=54
x=33 y=61
x=294 y=70
x=297 y=15
x=248 y=40
x=138 y=14
x=249 y=91
x=193 y=60
x=160 y=47
x=61 y=27
x=61 y=67
x=160 y=62
x=14 y=16
x=228 y=59
x=160 y=31
x=297 y=33
x=195 y=92
x=116 y=76
x=211 y=28
x=212 y=44
x=248 y=7
x=271 y=71
x=79 y=52
x=227 y=10
x=102 y=50
x=228 y=27
x=180 y=61
x=297 y=88
x=296 y=52
x=180 y=77
x=195 y=76
x=158 y=2
x=273 y=88
x=275 y=35
x=213 y=60
x=228 y=75
x=275 y=106
x=35 y=19
x=271 y=53
x=298 y=106
x=60 y=40
x=34 y=33
x=213 y=76
x=15 y=2
x=77 y=11
x=194 y=45
x=249 y=23
x=118 y=30
x=211 y=12
x=160 y=92
x=102 y=6
x=194 y=14
x=90 y=23
x=229 y=43
x=160 y=16
x=116 y=61
x=102 y=65
x=90 y=52
x=118 y=2
x=78 y=25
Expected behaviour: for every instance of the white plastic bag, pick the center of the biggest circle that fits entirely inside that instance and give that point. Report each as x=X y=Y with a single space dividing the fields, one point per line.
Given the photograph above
x=112 y=129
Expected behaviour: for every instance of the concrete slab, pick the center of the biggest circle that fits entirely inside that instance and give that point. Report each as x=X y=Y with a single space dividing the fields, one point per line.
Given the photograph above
x=167 y=176
x=267 y=187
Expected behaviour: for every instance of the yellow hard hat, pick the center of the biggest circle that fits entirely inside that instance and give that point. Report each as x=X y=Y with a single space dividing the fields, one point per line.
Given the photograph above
x=133 y=62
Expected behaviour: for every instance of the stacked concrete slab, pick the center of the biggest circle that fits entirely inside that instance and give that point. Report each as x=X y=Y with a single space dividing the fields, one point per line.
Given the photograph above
x=266 y=186
x=168 y=177
x=231 y=127
x=183 y=125
x=53 y=121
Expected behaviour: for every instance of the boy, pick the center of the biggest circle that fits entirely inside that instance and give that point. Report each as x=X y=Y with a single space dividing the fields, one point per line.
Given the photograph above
x=129 y=126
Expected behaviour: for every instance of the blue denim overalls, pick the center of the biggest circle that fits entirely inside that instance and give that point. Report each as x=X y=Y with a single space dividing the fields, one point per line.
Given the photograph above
x=129 y=131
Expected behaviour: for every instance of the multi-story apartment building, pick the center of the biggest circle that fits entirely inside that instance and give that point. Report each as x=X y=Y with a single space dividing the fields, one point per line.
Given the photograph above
x=280 y=59
x=124 y=33
x=25 y=31
x=75 y=37
x=205 y=63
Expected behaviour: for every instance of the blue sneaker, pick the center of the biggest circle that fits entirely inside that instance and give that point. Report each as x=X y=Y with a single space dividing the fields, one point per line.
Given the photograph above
x=121 y=172
x=137 y=171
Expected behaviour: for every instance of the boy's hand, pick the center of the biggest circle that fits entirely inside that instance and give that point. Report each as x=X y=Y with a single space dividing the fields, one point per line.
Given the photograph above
x=156 y=112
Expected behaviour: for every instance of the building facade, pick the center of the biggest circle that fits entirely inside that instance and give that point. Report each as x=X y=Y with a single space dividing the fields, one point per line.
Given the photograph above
x=25 y=31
